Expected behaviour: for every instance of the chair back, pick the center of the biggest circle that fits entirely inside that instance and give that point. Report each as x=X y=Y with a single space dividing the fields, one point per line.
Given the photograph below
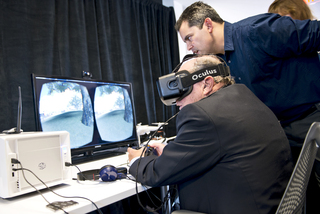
x=293 y=199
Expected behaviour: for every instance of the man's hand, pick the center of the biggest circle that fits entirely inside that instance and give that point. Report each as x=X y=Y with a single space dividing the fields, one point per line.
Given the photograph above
x=132 y=153
x=158 y=147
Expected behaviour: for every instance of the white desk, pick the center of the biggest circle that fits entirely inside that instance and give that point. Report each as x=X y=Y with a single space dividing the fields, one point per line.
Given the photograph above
x=102 y=193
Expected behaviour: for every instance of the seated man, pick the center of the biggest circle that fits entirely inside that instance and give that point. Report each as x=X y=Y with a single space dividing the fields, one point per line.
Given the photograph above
x=230 y=154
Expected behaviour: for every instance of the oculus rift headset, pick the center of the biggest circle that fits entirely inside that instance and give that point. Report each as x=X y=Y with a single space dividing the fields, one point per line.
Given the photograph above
x=106 y=173
x=177 y=85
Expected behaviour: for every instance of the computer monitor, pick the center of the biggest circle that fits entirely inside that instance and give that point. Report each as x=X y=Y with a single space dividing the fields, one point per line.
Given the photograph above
x=98 y=114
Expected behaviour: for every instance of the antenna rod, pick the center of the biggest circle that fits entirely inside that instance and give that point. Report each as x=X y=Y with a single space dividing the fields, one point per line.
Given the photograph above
x=18 y=130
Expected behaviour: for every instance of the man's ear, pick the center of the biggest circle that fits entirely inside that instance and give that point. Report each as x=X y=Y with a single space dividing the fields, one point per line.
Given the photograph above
x=208 y=24
x=208 y=85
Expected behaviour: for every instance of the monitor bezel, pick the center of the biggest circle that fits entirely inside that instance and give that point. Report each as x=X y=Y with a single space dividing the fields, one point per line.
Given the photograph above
x=94 y=152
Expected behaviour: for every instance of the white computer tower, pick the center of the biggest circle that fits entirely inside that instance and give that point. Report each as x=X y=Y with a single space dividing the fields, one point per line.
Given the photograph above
x=43 y=153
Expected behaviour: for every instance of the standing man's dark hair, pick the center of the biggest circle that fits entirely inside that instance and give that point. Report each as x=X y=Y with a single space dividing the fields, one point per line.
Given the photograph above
x=196 y=13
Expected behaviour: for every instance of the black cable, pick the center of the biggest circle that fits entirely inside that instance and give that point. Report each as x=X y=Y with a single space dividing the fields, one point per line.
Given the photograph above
x=156 y=197
x=164 y=140
x=131 y=179
x=70 y=164
x=143 y=151
x=22 y=169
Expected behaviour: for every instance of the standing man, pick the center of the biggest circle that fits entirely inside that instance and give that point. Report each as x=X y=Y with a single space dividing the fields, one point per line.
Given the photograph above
x=274 y=56
x=230 y=154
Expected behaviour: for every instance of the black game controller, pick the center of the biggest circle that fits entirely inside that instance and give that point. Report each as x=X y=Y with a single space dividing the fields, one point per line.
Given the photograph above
x=150 y=150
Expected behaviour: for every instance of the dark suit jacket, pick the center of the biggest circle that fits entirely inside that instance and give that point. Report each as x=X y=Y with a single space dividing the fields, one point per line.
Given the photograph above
x=230 y=156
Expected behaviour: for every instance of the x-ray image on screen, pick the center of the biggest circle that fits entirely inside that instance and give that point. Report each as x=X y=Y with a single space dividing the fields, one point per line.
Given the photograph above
x=113 y=112
x=67 y=106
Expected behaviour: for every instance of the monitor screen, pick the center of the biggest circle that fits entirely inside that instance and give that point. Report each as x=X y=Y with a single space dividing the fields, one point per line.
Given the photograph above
x=99 y=115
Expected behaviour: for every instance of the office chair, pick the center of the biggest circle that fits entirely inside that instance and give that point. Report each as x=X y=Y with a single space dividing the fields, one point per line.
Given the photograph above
x=294 y=198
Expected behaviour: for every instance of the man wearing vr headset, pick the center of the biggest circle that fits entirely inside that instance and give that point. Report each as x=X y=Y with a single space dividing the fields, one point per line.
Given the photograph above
x=230 y=154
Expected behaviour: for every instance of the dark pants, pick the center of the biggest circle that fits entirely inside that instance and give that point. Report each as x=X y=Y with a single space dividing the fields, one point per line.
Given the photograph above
x=296 y=133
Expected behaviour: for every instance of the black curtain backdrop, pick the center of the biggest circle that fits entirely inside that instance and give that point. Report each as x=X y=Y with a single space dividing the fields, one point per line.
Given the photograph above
x=120 y=40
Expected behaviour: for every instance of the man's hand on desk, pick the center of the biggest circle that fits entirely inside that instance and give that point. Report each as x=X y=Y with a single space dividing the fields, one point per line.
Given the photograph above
x=133 y=153
x=158 y=147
